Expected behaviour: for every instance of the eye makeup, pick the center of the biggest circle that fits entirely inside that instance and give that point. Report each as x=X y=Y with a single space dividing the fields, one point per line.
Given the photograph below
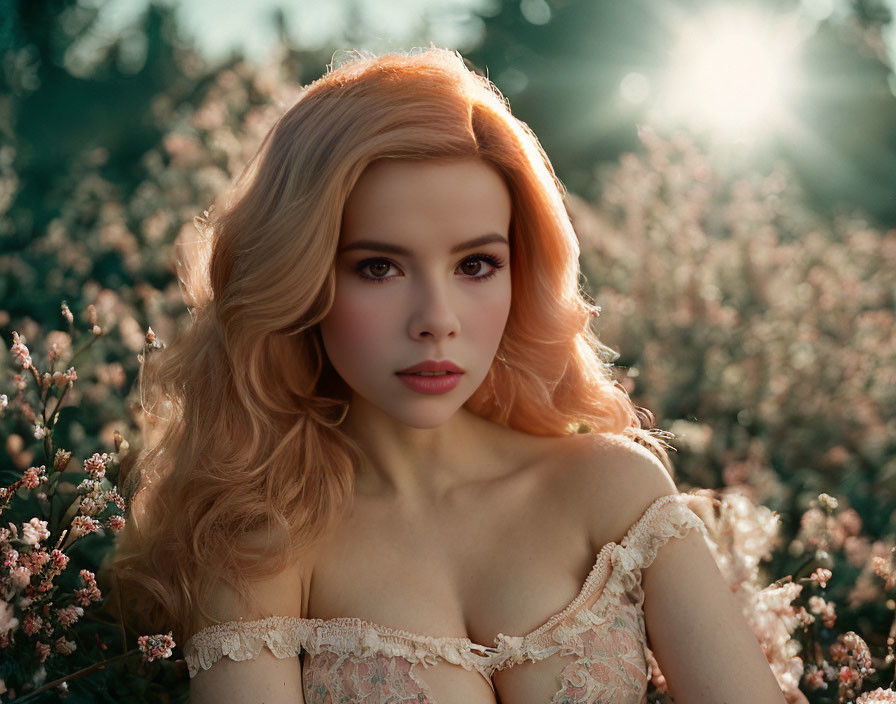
x=496 y=262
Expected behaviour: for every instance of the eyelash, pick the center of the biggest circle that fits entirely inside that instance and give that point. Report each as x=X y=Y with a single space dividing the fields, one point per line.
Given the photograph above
x=496 y=262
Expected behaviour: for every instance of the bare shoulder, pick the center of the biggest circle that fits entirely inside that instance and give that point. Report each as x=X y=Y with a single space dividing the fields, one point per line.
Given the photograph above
x=279 y=593
x=610 y=480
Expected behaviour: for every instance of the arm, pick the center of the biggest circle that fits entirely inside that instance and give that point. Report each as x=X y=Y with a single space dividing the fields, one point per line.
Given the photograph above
x=687 y=603
x=703 y=644
x=264 y=679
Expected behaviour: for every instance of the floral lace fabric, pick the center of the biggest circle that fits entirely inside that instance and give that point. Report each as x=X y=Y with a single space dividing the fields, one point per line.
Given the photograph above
x=601 y=633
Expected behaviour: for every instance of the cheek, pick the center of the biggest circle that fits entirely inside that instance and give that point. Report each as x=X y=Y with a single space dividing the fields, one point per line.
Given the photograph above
x=354 y=323
x=490 y=315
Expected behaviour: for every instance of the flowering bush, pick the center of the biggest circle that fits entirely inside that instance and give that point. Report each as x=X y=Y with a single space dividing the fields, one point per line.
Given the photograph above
x=764 y=338
x=42 y=603
x=130 y=229
x=759 y=334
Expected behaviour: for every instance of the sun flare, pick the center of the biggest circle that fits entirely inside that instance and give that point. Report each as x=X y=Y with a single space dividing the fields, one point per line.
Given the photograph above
x=731 y=72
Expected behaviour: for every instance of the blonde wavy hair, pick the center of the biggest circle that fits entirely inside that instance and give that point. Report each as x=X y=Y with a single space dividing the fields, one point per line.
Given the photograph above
x=249 y=441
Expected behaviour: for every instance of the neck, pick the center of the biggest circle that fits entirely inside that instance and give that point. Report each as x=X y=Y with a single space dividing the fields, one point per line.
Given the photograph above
x=420 y=465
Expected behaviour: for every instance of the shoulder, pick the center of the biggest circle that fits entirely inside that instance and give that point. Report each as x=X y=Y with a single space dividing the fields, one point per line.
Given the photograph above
x=281 y=592
x=611 y=480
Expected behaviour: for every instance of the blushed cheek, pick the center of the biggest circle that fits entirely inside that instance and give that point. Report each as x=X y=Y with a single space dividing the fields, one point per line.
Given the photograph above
x=491 y=318
x=354 y=325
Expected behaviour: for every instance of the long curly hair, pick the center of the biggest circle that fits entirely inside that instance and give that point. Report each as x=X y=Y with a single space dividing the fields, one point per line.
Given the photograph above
x=244 y=438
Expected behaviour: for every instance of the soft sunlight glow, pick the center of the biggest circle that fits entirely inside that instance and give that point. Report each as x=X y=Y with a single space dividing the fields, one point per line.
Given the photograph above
x=731 y=72
x=635 y=88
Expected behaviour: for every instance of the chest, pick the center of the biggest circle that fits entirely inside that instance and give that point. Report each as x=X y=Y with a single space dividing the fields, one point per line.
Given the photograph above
x=501 y=557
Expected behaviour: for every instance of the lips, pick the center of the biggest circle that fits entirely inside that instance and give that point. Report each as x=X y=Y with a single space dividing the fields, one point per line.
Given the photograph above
x=431 y=365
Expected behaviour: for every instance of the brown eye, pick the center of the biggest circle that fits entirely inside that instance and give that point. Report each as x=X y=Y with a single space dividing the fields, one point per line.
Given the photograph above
x=378 y=268
x=473 y=266
x=375 y=267
x=476 y=261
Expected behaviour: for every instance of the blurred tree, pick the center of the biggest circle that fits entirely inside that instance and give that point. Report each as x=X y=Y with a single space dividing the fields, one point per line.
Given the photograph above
x=73 y=103
x=560 y=62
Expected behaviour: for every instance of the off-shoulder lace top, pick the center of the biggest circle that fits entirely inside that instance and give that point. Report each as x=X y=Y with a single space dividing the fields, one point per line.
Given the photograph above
x=595 y=650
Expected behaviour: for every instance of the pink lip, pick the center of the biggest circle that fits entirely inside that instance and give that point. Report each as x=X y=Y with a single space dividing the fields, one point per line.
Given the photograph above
x=431 y=365
x=430 y=384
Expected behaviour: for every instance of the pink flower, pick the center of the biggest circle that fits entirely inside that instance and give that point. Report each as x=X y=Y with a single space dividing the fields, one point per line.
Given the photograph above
x=43 y=650
x=851 y=650
x=815 y=678
x=34 y=531
x=90 y=592
x=878 y=696
x=10 y=556
x=20 y=577
x=812 y=525
x=95 y=465
x=118 y=499
x=57 y=342
x=68 y=615
x=804 y=617
x=32 y=623
x=89 y=507
x=34 y=561
x=851 y=522
x=22 y=355
x=58 y=561
x=848 y=676
x=857 y=550
x=821 y=575
x=116 y=523
x=8 y=621
x=156 y=646
x=66 y=647
x=82 y=525
x=61 y=460
x=825 y=609
x=883 y=568
x=33 y=476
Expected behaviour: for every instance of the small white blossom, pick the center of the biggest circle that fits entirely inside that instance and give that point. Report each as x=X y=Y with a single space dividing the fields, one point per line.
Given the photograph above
x=34 y=531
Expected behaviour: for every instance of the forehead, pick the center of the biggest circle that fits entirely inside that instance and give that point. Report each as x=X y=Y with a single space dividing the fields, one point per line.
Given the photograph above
x=426 y=200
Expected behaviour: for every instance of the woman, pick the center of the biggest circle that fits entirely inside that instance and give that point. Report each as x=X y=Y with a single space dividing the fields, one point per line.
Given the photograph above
x=395 y=465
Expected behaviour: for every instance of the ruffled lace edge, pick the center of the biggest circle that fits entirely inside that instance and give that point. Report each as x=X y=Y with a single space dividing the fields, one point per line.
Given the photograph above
x=288 y=636
x=243 y=640
x=666 y=518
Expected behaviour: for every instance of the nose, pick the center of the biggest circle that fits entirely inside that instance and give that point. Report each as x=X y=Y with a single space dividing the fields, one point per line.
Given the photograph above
x=434 y=316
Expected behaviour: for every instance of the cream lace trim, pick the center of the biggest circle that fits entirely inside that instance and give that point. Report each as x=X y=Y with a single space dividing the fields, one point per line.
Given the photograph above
x=287 y=636
x=667 y=517
x=242 y=640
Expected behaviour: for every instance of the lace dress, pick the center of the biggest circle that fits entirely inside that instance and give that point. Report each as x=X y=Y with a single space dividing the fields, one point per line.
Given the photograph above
x=593 y=651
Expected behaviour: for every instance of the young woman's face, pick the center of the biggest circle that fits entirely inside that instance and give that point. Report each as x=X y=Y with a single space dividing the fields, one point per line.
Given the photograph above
x=422 y=273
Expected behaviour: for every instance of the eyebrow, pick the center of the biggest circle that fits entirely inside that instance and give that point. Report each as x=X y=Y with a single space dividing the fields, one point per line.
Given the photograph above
x=398 y=249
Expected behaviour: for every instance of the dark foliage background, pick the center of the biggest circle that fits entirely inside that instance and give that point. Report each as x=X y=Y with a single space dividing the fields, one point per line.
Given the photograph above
x=752 y=307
